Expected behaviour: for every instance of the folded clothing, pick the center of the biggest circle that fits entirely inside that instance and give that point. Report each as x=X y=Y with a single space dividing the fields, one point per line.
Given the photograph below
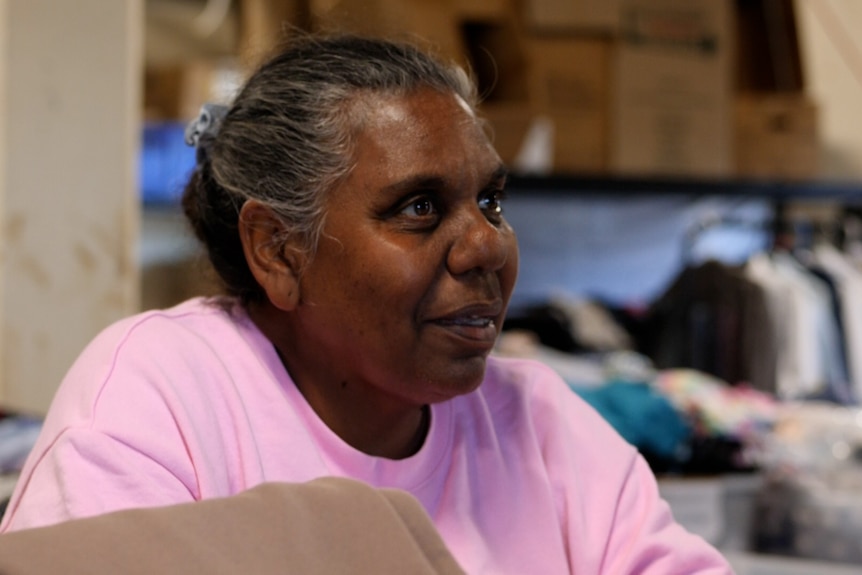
x=328 y=525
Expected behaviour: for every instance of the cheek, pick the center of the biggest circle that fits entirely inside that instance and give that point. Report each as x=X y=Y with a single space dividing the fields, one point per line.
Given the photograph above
x=401 y=279
x=383 y=276
x=509 y=272
x=385 y=301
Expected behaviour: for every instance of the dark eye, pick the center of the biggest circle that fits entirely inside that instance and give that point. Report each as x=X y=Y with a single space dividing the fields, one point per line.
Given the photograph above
x=420 y=208
x=491 y=202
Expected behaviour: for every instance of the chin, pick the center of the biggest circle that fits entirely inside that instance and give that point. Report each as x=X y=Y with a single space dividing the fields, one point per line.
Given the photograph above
x=460 y=379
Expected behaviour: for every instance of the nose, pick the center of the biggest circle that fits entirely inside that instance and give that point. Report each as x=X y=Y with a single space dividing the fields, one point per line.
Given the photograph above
x=479 y=244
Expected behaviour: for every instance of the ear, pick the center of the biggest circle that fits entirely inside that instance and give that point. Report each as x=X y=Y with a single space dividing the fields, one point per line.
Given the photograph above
x=275 y=266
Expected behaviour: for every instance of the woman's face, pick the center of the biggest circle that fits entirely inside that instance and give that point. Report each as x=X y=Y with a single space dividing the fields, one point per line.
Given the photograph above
x=408 y=289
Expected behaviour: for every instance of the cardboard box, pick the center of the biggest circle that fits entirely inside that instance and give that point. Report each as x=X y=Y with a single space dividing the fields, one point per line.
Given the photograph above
x=571 y=83
x=482 y=35
x=498 y=57
x=426 y=21
x=673 y=102
x=580 y=143
x=570 y=72
x=562 y=126
x=572 y=15
x=777 y=136
x=483 y=9
x=543 y=142
x=508 y=124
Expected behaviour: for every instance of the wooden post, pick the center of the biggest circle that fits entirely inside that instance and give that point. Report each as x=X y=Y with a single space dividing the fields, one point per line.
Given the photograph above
x=69 y=137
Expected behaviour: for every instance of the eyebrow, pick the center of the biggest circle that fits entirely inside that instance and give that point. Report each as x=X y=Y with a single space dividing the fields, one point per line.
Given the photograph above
x=418 y=181
x=501 y=173
x=436 y=182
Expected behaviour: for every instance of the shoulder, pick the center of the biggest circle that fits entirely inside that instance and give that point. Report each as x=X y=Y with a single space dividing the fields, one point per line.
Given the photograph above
x=195 y=328
x=529 y=398
x=524 y=378
x=202 y=318
x=540 y=389
x=154 y=350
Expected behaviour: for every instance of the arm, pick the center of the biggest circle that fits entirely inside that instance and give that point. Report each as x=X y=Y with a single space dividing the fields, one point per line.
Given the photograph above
x=611 y=513
x=646 y=539
x=124 y=429
x=85 y=472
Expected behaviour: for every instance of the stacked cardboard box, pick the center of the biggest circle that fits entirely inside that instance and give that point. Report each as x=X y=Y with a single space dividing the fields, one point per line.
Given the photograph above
x=431 y=22
x=776 y=122
x=569 y=16
x=483 y=35
x=641 y=87
x=673 y=101
x=454 y=28
x=570 y=78
x=695 y=88
x=564 y=123
x=776 y=136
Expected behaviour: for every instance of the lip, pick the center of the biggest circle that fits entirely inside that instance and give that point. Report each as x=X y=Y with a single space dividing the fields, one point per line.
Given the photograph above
x=474 y=324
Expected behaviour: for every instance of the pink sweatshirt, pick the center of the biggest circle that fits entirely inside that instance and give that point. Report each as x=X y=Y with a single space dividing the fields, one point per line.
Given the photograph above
x=190 y=403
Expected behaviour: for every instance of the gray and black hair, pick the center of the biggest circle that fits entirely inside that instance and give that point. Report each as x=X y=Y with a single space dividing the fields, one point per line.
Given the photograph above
x=287 y=139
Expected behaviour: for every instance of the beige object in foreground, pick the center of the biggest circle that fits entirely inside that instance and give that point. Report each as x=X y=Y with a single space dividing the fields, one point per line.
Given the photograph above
x=329 y=525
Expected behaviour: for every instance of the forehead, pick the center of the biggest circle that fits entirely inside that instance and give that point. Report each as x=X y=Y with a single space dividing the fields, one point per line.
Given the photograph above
x=420 y=130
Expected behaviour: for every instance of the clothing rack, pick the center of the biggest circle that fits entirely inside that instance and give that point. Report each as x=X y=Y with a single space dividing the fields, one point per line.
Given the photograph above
x=723 y=221
x=659 y=220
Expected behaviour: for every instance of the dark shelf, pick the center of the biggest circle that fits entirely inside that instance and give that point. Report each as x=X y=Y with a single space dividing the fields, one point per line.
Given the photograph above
x=849 y=192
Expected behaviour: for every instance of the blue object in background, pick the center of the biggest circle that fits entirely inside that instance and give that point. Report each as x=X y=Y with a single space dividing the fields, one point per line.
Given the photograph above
x=165 y=164
x=18 y=434
x=645 y=418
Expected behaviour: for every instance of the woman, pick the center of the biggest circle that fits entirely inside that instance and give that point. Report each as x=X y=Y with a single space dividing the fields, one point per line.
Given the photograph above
x=351 y=203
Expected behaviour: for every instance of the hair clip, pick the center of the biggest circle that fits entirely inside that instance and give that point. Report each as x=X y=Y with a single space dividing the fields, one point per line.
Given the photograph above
x=207 y=123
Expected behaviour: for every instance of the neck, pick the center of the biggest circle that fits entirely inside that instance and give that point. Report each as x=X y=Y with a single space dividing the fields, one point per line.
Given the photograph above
x=363 y=417
x=377 y=428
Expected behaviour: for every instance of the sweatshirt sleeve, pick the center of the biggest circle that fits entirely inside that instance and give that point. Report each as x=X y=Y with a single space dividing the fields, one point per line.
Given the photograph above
x=117 y=434
x=87 y=472
x=645 y=538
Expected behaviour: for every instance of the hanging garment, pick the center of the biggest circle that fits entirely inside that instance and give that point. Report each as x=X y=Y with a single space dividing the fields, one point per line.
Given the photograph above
x=714 y=319
x=815 y=336
x=848 y=280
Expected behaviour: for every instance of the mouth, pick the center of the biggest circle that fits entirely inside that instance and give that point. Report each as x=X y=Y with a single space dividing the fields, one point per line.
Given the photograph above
x=476 y=325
